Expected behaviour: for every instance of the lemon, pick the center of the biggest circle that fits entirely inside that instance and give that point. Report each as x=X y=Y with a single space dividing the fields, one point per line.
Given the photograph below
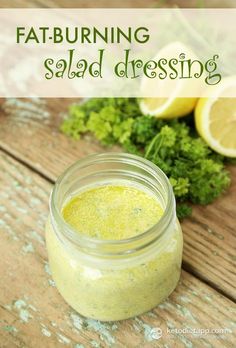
x=174 y=105
x=215 y=118
x=167 y=108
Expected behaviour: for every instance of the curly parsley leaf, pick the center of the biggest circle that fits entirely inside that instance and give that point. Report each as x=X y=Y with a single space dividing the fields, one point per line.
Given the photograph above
x=196 y=173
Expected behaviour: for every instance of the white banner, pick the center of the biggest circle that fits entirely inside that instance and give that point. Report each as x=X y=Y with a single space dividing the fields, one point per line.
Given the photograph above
x=116 y=52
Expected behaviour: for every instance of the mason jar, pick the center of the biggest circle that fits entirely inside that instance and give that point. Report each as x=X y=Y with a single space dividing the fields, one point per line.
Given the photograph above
x=114 y=279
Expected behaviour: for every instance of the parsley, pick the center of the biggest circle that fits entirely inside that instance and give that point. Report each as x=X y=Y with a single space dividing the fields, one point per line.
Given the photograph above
x=196 y=173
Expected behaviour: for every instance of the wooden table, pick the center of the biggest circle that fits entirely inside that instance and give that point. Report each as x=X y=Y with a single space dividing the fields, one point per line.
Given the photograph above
x=32 y=313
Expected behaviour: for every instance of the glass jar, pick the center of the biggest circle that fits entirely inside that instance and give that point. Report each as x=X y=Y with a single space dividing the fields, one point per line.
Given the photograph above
x=114 y=279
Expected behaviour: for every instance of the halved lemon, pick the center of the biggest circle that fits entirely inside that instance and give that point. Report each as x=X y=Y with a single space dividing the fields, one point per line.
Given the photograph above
x=172 y=104
x=167 y=108
x=215 y=118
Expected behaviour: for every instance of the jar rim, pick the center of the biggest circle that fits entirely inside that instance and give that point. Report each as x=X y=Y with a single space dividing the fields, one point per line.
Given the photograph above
x=92 y=242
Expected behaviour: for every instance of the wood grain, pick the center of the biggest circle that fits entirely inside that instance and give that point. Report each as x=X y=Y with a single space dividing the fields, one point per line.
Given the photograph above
x=32 y=312
x=29 y=131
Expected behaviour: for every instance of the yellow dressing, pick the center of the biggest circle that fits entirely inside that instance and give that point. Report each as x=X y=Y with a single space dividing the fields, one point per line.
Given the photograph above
x=109 y=288
x=112 y=212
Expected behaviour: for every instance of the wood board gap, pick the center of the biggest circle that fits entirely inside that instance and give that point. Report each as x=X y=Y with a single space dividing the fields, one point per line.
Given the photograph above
x=187 y=268
x=27 y=165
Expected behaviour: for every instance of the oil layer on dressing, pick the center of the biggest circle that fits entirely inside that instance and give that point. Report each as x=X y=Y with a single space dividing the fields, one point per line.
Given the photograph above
x=112 y=212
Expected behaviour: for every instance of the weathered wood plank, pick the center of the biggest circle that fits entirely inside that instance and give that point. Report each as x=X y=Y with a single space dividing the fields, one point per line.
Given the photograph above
x=29 y=131
x=33 y=314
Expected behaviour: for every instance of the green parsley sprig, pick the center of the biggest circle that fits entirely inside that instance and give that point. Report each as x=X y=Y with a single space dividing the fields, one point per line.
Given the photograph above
x=196 y=173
